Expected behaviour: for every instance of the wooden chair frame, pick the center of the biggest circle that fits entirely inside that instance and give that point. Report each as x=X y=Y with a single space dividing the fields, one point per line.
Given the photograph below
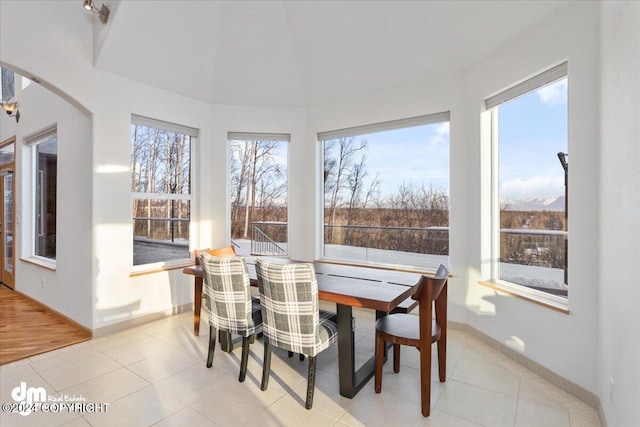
x=397 y=329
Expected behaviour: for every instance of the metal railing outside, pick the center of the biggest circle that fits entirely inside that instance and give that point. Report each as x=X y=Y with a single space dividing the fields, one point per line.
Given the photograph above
x=264 y=235
x=420 y=240
x=154 y=228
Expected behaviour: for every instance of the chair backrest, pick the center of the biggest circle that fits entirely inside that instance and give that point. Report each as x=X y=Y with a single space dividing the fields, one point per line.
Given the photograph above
x=228 y=294
x=226 y=251
x=432 y=291
x=436 y=283
x=289 y=299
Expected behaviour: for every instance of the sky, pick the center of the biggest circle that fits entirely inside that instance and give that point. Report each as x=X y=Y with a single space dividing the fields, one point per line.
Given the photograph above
x=532 y=130
x=411 y=156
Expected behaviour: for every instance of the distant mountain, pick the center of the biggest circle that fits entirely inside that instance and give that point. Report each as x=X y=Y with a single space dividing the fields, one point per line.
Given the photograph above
x=549 y=204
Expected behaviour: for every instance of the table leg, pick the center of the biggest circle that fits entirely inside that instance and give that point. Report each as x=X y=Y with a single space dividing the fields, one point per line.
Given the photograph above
x=351 y=381
x=346 y=351
x=197 y=304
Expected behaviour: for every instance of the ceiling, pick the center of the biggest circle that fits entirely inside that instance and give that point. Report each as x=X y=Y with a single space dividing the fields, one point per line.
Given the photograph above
x=302 y=53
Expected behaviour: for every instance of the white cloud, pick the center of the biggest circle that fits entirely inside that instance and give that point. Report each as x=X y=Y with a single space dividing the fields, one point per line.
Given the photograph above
x=442 y=134
x=554 y=94
x=532 y=187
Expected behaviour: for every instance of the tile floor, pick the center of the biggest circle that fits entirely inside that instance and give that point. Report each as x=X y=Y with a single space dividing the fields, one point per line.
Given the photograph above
x=155 y=374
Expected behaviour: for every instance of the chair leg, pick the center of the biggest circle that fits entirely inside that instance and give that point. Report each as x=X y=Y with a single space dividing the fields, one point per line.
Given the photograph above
x=442 y=358
x=266 y=365
x=245 y=358
x=212 y=345
x=396 y=358
x=425 y=379
x=301 y=356
x=380 y=344
x=311 y=382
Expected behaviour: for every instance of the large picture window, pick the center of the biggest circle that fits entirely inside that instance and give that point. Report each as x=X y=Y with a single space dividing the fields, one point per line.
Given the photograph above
x=530 y=170
x=45 y=156
x=386 y=193
x=258 y=166
x=161 y=190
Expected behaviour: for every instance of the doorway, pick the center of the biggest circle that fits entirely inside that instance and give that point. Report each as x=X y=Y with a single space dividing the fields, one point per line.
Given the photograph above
x=7 y=213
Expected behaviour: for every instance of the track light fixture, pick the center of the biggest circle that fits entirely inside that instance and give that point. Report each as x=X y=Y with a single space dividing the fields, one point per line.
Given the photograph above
x=11 y=108
x=103 y=12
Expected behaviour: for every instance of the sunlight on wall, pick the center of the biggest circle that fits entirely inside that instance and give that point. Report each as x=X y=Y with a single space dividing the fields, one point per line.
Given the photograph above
x=205 y=231
x=112 y=169
x=120 y=297
x=476 y=295
x=515 y=343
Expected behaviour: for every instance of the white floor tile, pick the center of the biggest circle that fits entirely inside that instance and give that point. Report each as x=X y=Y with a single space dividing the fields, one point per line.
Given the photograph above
x=79 y=371
x=109 y=387
x=534 y=415
x=478 y=405
x=163 y=365
x=143 y=408
x=155 y=374
x=185 y=417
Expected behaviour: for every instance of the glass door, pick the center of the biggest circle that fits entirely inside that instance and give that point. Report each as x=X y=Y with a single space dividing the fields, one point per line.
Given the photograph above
x=7 y=213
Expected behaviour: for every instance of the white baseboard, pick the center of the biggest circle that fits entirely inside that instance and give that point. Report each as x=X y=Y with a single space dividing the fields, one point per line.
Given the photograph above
x=137 y=321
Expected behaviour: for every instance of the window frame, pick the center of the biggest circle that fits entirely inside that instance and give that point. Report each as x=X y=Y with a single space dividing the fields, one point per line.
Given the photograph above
x=398 y=124
x=193 y=134
x=32 y=142
x=528 y=86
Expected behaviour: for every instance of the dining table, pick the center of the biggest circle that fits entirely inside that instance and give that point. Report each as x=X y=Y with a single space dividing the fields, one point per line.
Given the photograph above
x=347 y=286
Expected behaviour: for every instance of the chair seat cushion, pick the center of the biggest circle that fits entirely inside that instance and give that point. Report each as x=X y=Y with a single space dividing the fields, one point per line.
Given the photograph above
x=327 y=333
x=328 y=315
x=406 y=327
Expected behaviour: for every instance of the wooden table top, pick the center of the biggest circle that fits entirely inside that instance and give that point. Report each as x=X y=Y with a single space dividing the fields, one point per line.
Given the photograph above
x=355 y=286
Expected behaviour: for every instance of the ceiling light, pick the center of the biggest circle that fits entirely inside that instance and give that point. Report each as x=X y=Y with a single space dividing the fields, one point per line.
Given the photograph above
x=103 y=12
x=11 y=108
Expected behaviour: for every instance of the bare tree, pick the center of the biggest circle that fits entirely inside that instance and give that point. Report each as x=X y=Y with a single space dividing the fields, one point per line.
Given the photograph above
x=340 y=167
x=258 y=181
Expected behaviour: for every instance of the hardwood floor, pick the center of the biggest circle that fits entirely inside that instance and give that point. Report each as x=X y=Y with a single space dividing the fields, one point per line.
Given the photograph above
x=28 y=328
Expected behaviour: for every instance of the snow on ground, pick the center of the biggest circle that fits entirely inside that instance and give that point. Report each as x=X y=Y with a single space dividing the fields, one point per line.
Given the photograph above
x=147 y=251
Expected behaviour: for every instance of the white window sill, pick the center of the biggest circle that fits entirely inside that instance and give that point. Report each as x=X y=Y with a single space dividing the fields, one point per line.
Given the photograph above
x=538 y=297
x=47 y=263
x=157 y=267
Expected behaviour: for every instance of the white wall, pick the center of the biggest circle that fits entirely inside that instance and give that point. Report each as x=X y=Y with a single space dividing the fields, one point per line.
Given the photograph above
x=619 y=202
x=68 y=288
x=563 y=343
x=64 y=63
x=601 y=192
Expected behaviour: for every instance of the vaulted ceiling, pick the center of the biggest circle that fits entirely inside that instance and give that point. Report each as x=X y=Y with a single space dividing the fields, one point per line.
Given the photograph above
x=300 y=53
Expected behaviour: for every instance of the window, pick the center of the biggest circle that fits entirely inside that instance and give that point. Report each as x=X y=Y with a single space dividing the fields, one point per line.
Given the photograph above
x=161 y=190
x=386 y=193
x=45 y=156
x=8 y=83
x=530 y=171
x=258 y=166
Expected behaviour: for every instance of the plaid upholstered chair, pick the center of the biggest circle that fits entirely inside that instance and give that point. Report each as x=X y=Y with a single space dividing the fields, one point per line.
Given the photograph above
x=228 y=303
x=291 y=317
